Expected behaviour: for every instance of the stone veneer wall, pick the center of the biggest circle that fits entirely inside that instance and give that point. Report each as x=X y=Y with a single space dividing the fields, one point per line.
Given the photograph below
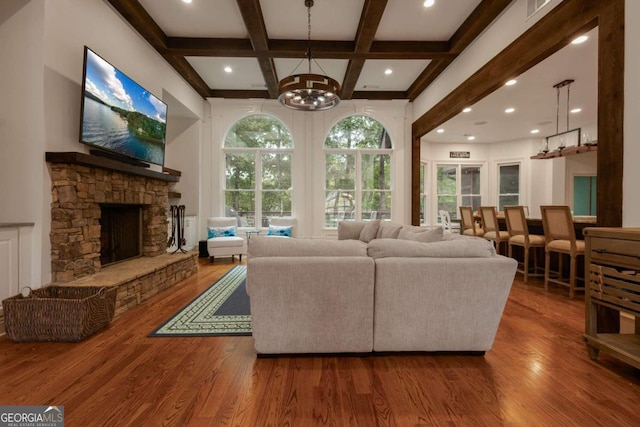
x=78 y=192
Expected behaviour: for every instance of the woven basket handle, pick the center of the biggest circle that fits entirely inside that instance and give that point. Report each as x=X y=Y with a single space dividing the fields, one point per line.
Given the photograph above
x=102 y=293
x=26 y=292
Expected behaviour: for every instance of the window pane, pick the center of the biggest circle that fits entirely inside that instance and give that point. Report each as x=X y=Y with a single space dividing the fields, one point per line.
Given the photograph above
x=473 y=201
x=358 y=132
x=511 y=200
x=276 y=171
x=339 y=206
x=423 y=167
x=276 y=203
x=240 y=204
x=376 y=205
x=470 y=180
x=376 y=171
x=341 y=171
x=258 y=131
x=446 y=183
x=510 y=179
x=240 y=171
x=449 y=204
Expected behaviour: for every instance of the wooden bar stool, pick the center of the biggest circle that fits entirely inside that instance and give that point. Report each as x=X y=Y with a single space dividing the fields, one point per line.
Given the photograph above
x=468 y=225
x=489 y=215
x=560 y=237
x=515 y=217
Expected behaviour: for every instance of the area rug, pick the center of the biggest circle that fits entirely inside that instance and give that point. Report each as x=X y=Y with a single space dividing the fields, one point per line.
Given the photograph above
x=223 y=309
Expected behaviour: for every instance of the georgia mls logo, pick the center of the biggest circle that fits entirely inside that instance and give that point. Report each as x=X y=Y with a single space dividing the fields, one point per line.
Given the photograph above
x=31 y=416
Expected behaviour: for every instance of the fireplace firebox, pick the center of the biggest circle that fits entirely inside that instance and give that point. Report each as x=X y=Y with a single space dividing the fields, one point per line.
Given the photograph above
x=120 y=236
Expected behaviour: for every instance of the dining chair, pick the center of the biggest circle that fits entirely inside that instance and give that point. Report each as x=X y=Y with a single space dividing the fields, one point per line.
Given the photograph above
x=468 y=224
x=518 y=229
x=560 y=237
x=445 y=220
x=489 y=216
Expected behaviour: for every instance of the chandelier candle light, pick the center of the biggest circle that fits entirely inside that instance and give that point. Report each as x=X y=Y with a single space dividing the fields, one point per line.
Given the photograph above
x=309 y=92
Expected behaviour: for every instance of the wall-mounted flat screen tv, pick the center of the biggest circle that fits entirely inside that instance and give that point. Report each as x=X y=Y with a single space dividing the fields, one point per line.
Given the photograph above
x=119 y=115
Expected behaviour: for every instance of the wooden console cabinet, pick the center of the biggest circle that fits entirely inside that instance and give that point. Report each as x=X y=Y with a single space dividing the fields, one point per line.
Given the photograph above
x=613 y=272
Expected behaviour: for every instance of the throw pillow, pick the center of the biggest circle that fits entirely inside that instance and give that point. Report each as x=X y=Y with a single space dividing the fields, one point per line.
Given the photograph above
x=388 y=230
x=370 y=231
x=222 y=232
x=420 y=234
x=350 y=230
x=280 y=230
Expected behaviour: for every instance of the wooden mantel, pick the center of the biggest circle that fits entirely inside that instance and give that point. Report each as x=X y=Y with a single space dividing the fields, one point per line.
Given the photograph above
x=106 y=163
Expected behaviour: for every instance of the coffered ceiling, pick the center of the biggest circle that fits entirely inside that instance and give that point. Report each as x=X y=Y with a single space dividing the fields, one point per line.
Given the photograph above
x=354 y=42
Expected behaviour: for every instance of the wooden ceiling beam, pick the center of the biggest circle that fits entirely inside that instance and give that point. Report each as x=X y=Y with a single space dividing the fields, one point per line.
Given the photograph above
x=328 y=49
x=370 y=18
x=254 y=22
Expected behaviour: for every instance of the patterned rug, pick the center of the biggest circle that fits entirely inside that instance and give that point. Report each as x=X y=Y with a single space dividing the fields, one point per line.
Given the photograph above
x=223 y=309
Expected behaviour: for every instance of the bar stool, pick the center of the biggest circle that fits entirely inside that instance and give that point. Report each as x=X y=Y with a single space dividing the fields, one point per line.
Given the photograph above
x=489 y=215
x=560 y=237
x=468 y=223
x=519 y=236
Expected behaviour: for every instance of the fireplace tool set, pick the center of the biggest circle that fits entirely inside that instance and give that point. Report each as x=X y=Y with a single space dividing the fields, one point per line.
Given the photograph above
x=177 y=228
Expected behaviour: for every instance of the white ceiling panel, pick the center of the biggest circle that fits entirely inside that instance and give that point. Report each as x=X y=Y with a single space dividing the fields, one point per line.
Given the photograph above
x=535 y=100
x=436 y=23
x=404 y=72
x=200 y=18
x=330 y=19
x=246 y=74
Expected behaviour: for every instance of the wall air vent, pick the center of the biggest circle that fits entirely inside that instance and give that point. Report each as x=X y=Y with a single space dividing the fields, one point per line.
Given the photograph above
x=534 y=6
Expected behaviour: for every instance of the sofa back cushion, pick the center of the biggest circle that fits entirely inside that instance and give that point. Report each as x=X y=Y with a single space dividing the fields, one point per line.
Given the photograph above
x=468 y=248
x=388 y=230
x=370 y=231
x=421 y=234
x=350 y=230
x=263 y=246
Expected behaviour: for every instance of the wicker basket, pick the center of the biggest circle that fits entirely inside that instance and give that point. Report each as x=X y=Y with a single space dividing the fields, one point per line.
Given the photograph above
x=59 y=313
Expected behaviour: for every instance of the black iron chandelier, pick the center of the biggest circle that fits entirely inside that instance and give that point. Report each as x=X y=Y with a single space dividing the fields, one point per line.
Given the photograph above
x=309 y=92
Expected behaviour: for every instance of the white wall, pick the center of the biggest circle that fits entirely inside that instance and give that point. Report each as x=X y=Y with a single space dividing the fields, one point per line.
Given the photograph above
x=308 y=131
x=41 y=46
x=631 y=176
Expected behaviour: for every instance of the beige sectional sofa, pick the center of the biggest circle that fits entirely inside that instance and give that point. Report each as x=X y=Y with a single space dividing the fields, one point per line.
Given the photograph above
x=395 y=289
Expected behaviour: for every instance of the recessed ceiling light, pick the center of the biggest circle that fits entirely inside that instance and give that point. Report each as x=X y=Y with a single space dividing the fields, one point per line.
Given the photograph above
x=535 y=131
x=509 y=110
x=228 y=69
x=429 y=3
x=467 y=110
x=388 y=71
x=511 y=82
x=440 y=130
x=186 y=1
x=576 y=110
x=580 y=39
x=471 y=137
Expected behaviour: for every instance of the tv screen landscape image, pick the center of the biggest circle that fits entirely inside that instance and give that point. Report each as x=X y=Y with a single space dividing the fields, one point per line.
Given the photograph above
x=119 y=115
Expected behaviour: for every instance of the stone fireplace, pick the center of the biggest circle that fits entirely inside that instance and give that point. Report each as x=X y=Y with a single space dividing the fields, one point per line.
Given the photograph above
x=97 y=202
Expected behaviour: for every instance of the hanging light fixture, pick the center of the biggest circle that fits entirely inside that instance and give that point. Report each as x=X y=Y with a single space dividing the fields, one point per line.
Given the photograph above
x=309 y=92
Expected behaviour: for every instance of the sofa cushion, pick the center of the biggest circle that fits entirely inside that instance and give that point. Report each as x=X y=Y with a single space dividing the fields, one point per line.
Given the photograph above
x=468 y=248
x=370 y=231
x=264 y=246
x=420 y=234
x=388 y=230
x=350 y=230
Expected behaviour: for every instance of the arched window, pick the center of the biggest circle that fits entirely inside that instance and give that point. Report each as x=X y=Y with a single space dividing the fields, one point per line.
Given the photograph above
x=258 y=151
x=357 y=171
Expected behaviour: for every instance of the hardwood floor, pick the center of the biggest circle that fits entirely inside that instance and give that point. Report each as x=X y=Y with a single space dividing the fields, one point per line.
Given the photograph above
x=537 y=374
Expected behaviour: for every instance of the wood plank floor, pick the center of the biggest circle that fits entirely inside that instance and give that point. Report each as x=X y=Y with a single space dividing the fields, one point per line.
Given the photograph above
x=537 y=374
